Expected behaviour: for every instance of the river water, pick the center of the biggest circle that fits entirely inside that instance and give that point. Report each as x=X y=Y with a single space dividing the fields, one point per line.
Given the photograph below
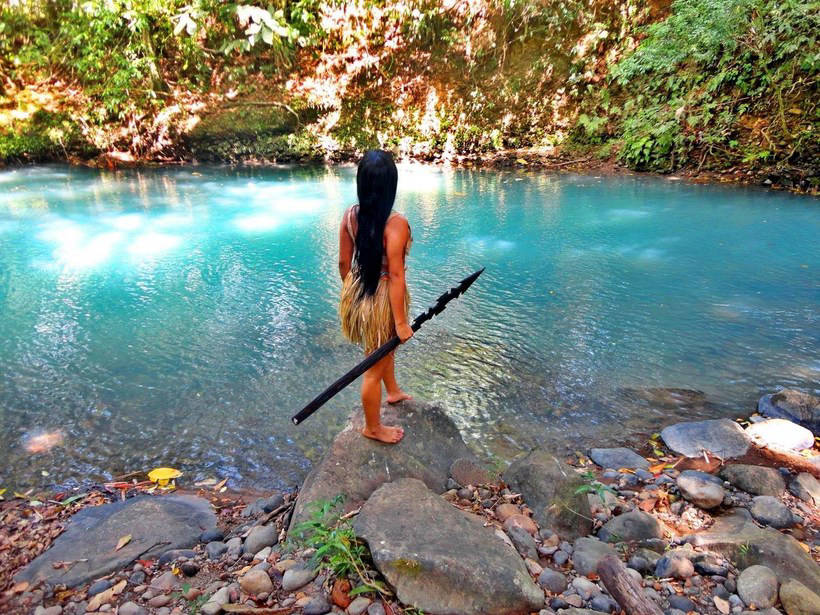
x=180 y=316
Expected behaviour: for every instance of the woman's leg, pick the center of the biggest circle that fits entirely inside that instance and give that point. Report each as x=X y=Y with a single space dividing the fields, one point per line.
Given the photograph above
x=372 y=401
x=394 y=393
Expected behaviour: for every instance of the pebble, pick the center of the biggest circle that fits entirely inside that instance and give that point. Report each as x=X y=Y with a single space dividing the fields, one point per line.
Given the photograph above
x=375 y=608
x=552 y=581
x=768 y=510
x=295 y=578
x=722 y=592
x=757 y=585
x=234 y=547
x=640 y=565
x=523 y=541
x=263 y=505
x=558 y=603
x=585 y=588
x=161 y=600
x=52 y=610
x=317 y=606
x=703 y=490
x=604 y=604
x=506 y=510
x=189 y=569
x=358 y=606
x=533 y=567
x=675 y=567
x=215 y=602
x=574 y=600
x=465 y=494
x=620 y=457
x=131 y=608
x=565 y=547
x=644 y=475
x=560 y=558
x=452 y=485
x=175 y=554
x=215 y=549
x=263 y=554
x=165 y=582
x=255 y=582
x=99 y=586
x=807 y=488
x=137 y=578
x=260 y=537
x=522 y=521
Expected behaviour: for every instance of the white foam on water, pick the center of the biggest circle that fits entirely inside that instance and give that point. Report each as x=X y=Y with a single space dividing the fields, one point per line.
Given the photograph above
x=91 y=253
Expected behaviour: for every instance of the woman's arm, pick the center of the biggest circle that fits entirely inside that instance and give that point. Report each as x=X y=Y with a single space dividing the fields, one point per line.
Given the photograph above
x=345 y=247
x=397 y=233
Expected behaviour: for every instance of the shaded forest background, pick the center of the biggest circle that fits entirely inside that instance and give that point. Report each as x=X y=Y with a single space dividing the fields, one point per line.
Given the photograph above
x=662 y=86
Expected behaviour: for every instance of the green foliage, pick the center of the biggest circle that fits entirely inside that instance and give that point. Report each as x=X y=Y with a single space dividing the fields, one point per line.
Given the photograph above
x=44 y=136
x=336 y=545
x=593 y=486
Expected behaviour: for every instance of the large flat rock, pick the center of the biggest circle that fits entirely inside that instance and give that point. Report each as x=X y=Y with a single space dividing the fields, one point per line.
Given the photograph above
x=549 y=487
x=793 y=405
x=738 y=538
x=441 y=559
x=155 y=523
x=356 y=466
x=721 y=437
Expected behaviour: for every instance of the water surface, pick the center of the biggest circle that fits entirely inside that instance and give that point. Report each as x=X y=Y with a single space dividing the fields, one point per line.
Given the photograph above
x=180 y=316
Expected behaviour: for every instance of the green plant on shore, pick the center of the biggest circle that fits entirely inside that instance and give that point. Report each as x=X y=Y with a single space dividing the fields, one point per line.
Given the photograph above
x=593 y=486
x=336 y=546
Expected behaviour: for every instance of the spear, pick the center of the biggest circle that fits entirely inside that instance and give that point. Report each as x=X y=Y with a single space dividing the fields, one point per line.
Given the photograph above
x=385 y=349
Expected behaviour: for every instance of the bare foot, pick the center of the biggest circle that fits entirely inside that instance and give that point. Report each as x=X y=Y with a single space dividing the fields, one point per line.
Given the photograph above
x=384 y=433
x=394 y=398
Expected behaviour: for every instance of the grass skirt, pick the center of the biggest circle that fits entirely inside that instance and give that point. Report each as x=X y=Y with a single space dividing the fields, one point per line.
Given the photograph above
x=368 y=320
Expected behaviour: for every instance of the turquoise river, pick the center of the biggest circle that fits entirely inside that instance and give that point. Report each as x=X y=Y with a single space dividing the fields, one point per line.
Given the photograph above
x=180 y=316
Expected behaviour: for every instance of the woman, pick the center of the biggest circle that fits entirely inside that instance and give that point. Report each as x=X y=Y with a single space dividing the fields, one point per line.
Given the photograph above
x=373 y=243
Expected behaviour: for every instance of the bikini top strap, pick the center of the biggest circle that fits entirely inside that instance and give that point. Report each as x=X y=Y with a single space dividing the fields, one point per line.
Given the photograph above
x=349 y=218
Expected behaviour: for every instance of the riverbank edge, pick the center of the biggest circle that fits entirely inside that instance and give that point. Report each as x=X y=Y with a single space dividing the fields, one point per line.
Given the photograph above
x=610 y=485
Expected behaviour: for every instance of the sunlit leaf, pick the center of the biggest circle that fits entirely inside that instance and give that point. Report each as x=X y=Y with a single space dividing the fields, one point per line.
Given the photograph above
x=122 y=542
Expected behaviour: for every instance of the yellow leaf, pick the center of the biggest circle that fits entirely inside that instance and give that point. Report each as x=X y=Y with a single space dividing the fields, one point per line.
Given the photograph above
x=122 y=542
x=522 y=161
x=220 y=484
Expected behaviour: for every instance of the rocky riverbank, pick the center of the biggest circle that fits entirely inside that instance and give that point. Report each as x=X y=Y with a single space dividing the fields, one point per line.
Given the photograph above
x=722 y=517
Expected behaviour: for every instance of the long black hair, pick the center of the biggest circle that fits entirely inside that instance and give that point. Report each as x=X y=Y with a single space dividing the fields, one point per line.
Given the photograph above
x=376 y=181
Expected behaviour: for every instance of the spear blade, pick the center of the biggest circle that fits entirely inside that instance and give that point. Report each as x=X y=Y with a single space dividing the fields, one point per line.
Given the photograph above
x=385 y=349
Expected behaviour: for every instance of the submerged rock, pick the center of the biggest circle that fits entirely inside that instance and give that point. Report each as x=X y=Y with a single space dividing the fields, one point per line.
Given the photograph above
x=617 y=458
x=441 y=559
x=793 y=405
x=549 y=487
x=722 y=437
x=155 y=523
x=738 y=538
x=356 y=466
x=757 y=480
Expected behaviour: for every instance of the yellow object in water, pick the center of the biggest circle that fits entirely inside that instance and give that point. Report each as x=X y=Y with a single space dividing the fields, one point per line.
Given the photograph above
x=162 y=476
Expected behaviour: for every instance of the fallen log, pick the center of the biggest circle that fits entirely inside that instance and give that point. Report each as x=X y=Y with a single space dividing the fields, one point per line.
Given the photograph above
x=626 y=590
x=793 y=460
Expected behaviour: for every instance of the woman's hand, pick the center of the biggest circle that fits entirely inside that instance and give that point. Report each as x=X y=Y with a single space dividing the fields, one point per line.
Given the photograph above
x=404 y=331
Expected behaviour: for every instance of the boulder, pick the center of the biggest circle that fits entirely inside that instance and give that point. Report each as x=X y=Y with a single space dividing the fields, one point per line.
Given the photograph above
x=807 y=488
x=634 y=526
x=757 y=586
x=617 y=458
x=441 y=559
x=792 y=405
x=722 y=437
x=770 y=511
x=355 y=466
x=155 y=523
x=737 y=537
x=700 y=488
x=797 y=599
x=757 y=480
x=549 y=487
x=780 y=434
x=588 y=552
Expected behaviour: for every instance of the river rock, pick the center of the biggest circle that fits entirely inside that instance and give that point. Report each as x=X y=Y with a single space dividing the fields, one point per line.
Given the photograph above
x=780 y=434
x=297 y=577
x=588 y=552
x=757 y=586
x=549 y=487
x=358 y=606
x=674 y=566
x=216 y=601
x=523 y=541
x=552 y=580
x=792 y=405
x=155 y=523
x=522 y=521
x=722 y=437
x=263 y=505
x=355 y=466
x=700 y=488
x=131 y=608
x=807 y=488
x=260 y=537
x=797 y=599
x=317 y=606
x=757 y=480
x=770 y=511
x=439 y=558
x=617 y=458
x=255 y=582
x=739 y=539
x=467 y=471
x=634 y=526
